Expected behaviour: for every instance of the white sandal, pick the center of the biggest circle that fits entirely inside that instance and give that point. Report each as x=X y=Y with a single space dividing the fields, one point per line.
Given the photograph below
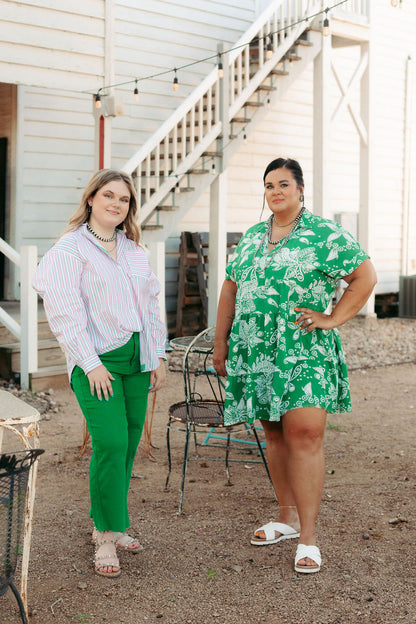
x=311 y=552
x=269 y=530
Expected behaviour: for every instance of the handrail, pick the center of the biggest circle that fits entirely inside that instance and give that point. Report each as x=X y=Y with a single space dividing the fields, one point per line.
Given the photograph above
x=27 y=330
x=163 y=161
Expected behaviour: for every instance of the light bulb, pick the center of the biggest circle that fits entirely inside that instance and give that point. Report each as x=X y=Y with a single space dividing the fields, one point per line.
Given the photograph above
x=136 y=93
x=98 y=101
x=269 y=51
x=175 y=85
x=325 y=30
x=220 y=70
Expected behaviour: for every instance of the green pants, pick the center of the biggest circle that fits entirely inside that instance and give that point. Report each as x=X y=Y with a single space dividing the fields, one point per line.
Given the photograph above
x=115 y=427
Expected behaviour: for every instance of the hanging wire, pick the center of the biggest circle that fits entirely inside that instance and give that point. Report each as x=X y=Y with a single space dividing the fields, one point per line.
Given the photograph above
x=214 y=56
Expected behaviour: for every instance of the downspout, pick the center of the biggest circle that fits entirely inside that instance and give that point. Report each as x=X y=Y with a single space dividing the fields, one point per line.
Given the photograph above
x=408 y=108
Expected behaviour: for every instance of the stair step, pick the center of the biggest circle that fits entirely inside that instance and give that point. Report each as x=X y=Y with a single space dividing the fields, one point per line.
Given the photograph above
x=266 y=88
x=185 y=189
x=152 y=227
x=240 y=120
x=212 y=154
x=292 y=56
x=49 y=354
x=166 y=208
x=198 y=171
x=254 y=104
x=279 y=72
x=304 y=42
x=49 y=377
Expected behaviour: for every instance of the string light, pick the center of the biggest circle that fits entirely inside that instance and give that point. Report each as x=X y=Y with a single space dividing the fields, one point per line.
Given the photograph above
x=136 y=93
x=175 y=85
x=220 y=67
x=269 y=50
x=325 y=30
x=98 y=100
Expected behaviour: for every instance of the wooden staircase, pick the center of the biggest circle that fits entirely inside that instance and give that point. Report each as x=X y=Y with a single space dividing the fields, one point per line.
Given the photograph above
x=52 y=372
x=175 y=166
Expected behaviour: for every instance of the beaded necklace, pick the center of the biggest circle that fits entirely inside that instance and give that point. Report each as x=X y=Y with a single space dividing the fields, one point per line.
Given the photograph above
x=101 y=238
x=284 y=241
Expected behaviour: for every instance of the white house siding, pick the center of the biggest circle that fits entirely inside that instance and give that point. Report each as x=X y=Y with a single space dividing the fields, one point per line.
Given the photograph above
x=394 y=40
x=52 y=43
x=57 y=161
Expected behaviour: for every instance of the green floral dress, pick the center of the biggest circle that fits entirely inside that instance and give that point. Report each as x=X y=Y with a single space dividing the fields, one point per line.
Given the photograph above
x=273 y=365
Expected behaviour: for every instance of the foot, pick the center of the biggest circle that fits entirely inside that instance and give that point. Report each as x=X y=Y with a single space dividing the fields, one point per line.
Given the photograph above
x=128 y=543
x=308 y=559
x=289 y=518
x=123 y=540
x=274 y=532
x=106 y=561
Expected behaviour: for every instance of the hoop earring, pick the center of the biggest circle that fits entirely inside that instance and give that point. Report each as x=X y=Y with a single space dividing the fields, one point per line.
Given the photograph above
x=262 y=208
x=89 y=209
x=302 y=199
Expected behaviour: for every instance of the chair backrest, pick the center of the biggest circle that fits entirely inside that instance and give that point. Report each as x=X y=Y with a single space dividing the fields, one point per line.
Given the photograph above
x=197 y=366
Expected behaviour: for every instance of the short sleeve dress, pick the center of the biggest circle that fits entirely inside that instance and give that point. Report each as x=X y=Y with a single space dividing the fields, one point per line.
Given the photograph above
x=273 y=365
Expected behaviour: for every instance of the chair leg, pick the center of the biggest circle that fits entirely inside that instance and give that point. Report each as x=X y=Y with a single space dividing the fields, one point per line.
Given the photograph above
x=19 y=602
x=185 y=463
x=261 y=451
x=227 y=452
x=169 y=455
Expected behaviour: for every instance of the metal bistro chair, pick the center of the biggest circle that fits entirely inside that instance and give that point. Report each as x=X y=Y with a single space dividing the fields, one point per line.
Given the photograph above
x=197 y=413
x=14 y=477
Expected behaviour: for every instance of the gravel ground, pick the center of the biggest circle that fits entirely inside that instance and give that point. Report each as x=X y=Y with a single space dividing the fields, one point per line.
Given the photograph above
x=378 y=342
x=199 y=567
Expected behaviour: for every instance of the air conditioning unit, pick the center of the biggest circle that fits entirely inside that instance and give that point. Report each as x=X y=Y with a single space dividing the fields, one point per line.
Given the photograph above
x=407 y=296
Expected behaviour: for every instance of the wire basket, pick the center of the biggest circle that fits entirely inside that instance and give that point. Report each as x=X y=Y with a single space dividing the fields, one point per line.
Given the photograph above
x=14 y=476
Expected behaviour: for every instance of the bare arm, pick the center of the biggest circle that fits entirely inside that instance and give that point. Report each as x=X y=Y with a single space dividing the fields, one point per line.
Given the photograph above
x=225 y=317
x=360 y=286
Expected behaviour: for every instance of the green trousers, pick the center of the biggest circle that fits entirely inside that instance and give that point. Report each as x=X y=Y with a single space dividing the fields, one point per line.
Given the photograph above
x=115 y=427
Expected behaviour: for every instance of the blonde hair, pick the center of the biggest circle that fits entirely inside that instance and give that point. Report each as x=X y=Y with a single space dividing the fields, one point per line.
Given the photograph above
x=98 y=180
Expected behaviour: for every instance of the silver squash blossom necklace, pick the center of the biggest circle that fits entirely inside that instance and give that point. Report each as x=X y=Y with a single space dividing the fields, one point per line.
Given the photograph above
x=283 y=241
x=101 y=238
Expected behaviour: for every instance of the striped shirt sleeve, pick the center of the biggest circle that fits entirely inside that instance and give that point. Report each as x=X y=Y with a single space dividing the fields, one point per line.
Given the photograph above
x=57 y=280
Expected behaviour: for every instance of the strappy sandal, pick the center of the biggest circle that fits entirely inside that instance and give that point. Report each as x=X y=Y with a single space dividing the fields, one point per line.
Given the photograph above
x=269 y=530
x=124 y=541
x=311 y=552
x=109 y=560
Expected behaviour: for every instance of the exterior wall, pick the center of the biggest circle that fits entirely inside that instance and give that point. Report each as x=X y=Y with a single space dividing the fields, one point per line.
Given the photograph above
x=395 y=26
x=56 y=123
x=32 y=30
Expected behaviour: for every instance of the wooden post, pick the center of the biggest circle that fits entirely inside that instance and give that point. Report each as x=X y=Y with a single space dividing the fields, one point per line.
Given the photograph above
x=321 y=129
x=366 y=217
x=218 y=199
x=28 y=315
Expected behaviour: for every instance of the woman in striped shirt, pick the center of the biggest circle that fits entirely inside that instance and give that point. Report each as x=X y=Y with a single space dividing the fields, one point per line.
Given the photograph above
x=100 y=298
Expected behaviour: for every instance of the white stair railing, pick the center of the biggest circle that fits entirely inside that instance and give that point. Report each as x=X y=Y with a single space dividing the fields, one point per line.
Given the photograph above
x=27 y=331
x=160 y=164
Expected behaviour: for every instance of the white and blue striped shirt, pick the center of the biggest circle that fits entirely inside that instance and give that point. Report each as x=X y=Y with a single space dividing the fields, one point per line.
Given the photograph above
x=94 y=304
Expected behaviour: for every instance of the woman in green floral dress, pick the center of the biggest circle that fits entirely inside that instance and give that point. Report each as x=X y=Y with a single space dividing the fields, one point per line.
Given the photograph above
x=283 y=354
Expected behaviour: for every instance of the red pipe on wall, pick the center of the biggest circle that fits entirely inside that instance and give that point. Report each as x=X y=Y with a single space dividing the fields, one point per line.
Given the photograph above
x=101 y=144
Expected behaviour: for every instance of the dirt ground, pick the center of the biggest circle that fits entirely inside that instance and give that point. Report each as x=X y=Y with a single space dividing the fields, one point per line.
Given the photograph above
x=199 y=567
